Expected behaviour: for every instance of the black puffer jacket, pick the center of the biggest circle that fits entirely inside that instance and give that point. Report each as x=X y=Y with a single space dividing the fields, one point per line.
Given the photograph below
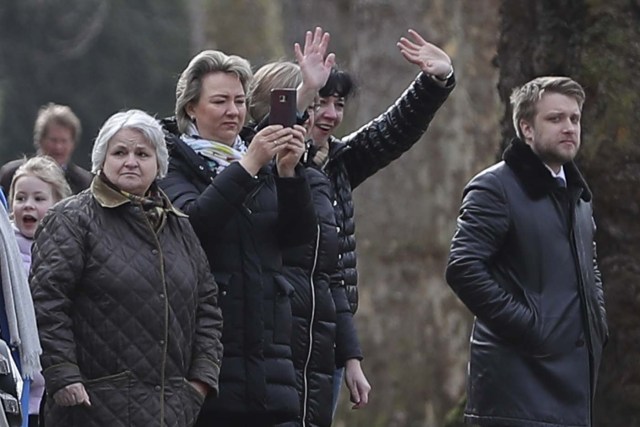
x=129 y=312
x=523 y=260
x=364 y=152
x=321 y=313
x=243 y=223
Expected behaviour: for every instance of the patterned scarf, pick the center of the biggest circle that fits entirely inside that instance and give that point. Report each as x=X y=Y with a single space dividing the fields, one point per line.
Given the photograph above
x=217 y=154
x=153 y=205
x=18 y=305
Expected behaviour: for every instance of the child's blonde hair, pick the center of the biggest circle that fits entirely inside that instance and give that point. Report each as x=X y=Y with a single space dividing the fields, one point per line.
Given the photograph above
x=47 y=170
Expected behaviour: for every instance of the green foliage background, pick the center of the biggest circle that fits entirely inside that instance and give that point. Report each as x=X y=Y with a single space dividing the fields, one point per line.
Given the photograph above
x=97 y=56
x=101 y=56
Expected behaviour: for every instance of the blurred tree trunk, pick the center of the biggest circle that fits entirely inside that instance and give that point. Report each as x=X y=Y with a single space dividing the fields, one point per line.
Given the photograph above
x=197 y=25
x=414 y=331
x=596 y=42
x=249 y=28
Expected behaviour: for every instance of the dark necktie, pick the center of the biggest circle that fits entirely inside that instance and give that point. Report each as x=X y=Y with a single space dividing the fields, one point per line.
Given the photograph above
x=560 y=182
x=562 y=201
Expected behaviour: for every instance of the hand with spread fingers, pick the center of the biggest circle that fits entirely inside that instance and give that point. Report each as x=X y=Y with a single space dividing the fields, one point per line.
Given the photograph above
x=429 y=57
x=292 y=151
x=72 y=395
x=315 y=66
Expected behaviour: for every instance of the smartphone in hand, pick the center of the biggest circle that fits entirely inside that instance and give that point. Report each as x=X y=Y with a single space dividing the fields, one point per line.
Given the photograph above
x=283 y=107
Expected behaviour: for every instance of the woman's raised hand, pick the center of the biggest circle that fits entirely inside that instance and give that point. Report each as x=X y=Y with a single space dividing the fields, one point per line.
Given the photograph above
x=315 y=65
x=429 y=57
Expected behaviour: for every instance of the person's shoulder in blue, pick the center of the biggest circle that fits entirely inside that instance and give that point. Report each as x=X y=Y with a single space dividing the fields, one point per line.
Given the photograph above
x=18 y=330
x=3 y=199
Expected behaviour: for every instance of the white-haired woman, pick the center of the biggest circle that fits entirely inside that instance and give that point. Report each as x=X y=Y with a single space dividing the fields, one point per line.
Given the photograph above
x=126 y=304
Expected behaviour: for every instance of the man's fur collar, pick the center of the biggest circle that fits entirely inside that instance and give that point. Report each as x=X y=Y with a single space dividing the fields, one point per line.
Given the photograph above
x=536 y=178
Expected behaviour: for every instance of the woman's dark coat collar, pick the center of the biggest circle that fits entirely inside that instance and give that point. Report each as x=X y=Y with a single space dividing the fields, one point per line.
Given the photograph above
x=536 y=178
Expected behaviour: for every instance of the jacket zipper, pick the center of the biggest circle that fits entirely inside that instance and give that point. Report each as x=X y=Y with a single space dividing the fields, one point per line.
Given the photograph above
x=252 y=195
x=305 y=392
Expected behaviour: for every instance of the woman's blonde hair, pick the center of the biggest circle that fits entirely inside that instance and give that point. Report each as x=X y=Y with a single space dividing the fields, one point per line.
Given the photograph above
x=281 y=74
x=45 y=169
x=189 y=85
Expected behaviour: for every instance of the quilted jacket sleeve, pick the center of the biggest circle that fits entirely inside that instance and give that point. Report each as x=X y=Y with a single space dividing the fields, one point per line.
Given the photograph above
x=482 y=226
x=207 y=349
x=385 y=138
x=347 y=342
x=296 y=214
x=58 y=260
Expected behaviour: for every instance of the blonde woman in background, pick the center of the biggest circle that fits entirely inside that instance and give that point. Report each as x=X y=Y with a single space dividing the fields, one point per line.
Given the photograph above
x=323 y=335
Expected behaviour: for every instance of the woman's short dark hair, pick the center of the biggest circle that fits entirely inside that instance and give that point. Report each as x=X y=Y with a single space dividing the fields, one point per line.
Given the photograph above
x=340 y=83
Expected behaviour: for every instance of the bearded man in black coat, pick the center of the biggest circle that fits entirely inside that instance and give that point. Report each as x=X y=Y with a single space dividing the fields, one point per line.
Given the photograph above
x=523 y=261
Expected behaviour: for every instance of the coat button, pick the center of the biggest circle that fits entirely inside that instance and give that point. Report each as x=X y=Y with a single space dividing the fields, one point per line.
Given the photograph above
x=580 y=343
x=338 y=229
x=201 y=167
x=154 y=251
x=157 y=388
x=161 y=296
x=161 y=342
x=335 y=203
